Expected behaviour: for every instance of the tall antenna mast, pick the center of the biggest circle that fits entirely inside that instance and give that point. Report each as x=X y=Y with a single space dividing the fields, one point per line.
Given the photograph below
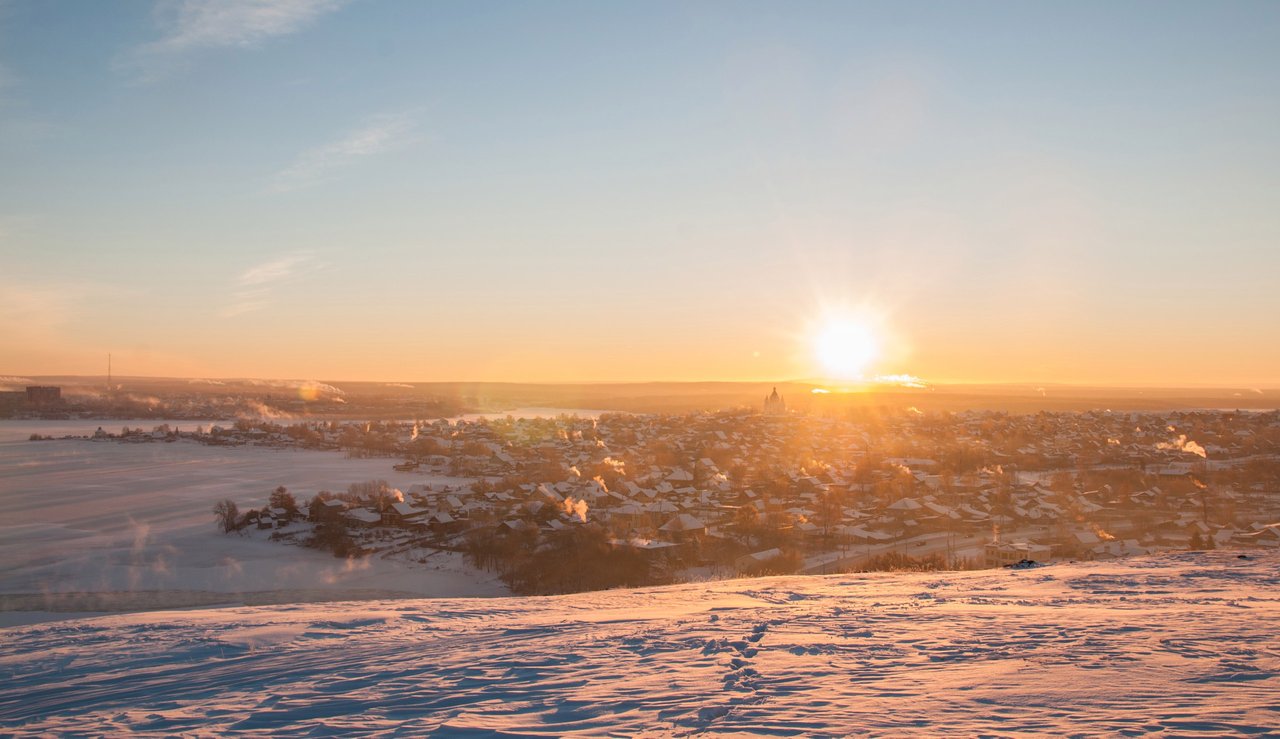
x=108 y=372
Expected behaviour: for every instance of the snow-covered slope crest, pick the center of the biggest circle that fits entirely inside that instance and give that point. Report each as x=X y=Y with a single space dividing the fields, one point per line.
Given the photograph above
x=1182 y=644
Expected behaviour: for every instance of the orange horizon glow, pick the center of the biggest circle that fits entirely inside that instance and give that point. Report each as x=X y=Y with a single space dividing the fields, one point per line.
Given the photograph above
x=648 y=369
x=794 y=336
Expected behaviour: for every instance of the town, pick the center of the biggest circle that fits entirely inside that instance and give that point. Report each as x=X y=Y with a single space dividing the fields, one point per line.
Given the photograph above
x=569 y=503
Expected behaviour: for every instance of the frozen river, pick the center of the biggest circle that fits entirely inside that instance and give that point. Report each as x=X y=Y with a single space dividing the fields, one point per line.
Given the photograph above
x=79 y=516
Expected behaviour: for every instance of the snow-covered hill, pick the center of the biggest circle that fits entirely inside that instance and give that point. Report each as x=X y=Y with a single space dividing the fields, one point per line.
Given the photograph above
x=1183 y=644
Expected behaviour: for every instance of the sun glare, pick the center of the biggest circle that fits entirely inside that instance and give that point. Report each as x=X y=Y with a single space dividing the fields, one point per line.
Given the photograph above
x=845 y=347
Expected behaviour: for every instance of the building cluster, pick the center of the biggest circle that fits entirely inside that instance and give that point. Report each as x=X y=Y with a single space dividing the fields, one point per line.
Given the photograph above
x=32 y=398
x=726 y=489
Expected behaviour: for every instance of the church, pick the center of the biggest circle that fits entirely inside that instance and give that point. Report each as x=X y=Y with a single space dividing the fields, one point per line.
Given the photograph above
x=774 y=405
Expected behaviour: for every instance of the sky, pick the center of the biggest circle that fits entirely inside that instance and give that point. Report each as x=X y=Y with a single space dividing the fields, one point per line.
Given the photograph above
x=1084 y=192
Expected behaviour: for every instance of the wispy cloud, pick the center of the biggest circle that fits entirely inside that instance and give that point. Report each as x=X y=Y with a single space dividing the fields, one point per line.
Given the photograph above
x=377 y=135
x=254 y=286
x=273 y=271
x=193 y=25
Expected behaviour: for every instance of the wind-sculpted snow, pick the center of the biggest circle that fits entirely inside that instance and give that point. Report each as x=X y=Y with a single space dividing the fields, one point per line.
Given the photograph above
x=1181 y=644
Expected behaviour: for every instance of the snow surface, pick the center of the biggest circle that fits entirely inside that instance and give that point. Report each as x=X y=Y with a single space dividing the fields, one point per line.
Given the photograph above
x=107 y=526
x=1181 y=644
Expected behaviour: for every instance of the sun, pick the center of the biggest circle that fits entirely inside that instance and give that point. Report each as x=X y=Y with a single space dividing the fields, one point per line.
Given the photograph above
x=845 y=347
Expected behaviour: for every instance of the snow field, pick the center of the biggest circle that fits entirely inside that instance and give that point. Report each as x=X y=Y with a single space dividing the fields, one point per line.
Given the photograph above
x=1179 y=645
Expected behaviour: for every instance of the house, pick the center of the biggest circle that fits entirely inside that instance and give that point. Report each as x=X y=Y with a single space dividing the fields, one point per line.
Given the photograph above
x=443 y=522
x=750 y=562
x=515 y=525
x=1001 y=553
x=1087 y=538
x=402 y=514
x=328 y=510
x=808 y=529
x=362 y=517
x=656 y=553
x=1267 y=535
x=680 y=475
x=684 y=527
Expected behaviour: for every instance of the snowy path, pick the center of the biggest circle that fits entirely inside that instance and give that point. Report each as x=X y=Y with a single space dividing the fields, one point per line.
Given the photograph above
x=1180 y=644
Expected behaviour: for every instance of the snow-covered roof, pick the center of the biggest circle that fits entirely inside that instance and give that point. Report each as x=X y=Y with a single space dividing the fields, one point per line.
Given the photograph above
x=764 y=556
x=364 y=515
x=683 y=522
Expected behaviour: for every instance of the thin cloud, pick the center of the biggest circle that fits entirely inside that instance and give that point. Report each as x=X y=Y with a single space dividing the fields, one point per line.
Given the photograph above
x=378 y=135
x=254 y=286
x=273 y=271
x=194 y=25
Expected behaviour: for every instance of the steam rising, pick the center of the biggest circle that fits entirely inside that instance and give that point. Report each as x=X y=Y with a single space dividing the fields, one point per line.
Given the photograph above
x=10 y=382
x=910 y=381
x=256 y=409
x=300 y=385
x=1183 y=444
x=575 y=508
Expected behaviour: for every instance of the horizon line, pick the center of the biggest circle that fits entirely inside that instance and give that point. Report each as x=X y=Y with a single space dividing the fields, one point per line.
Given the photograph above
x=813 y=382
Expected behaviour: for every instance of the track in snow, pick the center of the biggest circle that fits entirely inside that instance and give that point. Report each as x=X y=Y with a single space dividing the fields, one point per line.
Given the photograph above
x=1180 y=644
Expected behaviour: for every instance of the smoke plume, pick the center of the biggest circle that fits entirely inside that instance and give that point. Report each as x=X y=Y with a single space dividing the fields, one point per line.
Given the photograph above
x=575 y=508
x=1183 y=444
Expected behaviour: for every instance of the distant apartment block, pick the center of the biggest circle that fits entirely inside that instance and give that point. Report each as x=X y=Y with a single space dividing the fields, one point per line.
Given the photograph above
x=42 y=395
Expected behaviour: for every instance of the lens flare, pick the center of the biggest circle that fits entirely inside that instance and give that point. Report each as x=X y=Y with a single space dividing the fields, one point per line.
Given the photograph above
x=845 y=347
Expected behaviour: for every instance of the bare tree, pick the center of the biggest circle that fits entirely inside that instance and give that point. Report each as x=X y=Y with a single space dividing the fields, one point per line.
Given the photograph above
x=228 y=515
